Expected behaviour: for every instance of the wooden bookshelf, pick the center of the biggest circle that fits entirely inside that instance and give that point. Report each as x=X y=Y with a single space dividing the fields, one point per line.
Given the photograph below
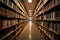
x=43 y=2
x=47 y=32
x=11 y=20
x=2 y=4
x=48 y=19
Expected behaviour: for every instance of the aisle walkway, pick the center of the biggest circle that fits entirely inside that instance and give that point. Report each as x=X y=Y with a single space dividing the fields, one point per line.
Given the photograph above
x=30 y=32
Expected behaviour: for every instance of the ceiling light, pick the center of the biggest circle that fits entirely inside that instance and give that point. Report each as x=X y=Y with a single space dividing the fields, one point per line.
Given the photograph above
x=29 y=1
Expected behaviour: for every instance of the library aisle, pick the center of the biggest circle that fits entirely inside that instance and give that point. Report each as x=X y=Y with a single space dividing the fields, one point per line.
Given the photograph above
x=29 y=19
x=30 y=32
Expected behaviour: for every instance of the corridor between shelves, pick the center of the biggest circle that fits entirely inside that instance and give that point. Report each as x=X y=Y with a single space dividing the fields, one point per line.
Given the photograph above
x=30 y=32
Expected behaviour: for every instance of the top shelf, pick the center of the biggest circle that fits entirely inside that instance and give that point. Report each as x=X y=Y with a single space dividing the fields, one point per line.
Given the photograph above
x=57 y=7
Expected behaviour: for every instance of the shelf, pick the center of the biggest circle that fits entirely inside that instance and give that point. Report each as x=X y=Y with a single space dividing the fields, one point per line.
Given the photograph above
x=46 y=35
x=10 y=33
x=7 y=7
x=18 y=31
x=6 y=18
x=48 y=29
x=55 y=21
x=57 y=7
x=11 y=26
x=47 y=2
x=7 y=35
x=8 y=27
x=39 y=9
x=9 y=18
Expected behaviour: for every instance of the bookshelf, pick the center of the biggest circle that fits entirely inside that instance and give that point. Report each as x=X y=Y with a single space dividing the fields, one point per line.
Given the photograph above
x=48 y=19
x=12 y=20
x=39 y=6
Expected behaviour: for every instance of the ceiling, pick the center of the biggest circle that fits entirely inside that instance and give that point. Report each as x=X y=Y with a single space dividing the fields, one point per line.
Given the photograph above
x=30 y=6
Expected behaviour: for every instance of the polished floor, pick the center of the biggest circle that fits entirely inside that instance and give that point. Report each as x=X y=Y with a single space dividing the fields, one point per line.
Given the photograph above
x=30 y=32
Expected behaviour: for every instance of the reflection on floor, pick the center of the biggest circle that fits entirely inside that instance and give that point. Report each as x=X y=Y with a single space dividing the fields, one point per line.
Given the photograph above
x=30 y=32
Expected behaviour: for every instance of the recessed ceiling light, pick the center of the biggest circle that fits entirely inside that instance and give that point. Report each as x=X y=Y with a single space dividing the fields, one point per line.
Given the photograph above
x=29 y=1
x=30 y=11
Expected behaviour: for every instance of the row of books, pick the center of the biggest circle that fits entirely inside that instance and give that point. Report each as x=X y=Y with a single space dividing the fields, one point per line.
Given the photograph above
x=48 y=34
x=53 y=16
x=21 y=4
x=50 y=16
x=44 y=37
x=52 y=4
x=11 y=5
x=54 y=27
x=9 y=28
x=8 y=23
x=5 y=32
x=40 y=5
x=9 y=33
x=39 y=18
x=8 y=13
x=17 y=32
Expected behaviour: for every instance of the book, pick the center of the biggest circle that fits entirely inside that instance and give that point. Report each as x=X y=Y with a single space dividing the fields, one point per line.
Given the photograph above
x=53 y=16
x=45 y=24
x=44 y=17
x=5 y=1
x=10 y=4
x=4 y=23
x=52 y=26
x=2 y=11
x=8 y=23
x=57 y=27
x=8 y=14
x=57 y=15
x=14 y=6
x=48 y=25
x=1 y=24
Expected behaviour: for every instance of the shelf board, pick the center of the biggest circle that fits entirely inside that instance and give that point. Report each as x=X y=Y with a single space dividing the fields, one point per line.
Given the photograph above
x=10 y=18
x=47 y=2
x=56 y=21
x=6 y=18
x=39 y=15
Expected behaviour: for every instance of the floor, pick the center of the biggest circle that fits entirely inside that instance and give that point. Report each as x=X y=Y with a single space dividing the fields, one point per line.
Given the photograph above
x=30 y=32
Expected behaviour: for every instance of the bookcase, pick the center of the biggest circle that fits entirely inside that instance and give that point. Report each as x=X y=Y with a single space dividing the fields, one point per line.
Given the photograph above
x=12 y=20
x=48 y=19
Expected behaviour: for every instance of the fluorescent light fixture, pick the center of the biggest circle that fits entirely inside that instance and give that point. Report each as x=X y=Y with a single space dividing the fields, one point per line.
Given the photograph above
x=29 y=1
x=30 y=11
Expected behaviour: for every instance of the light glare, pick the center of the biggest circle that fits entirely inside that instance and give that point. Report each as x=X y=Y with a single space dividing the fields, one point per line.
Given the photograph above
x=29 y=1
